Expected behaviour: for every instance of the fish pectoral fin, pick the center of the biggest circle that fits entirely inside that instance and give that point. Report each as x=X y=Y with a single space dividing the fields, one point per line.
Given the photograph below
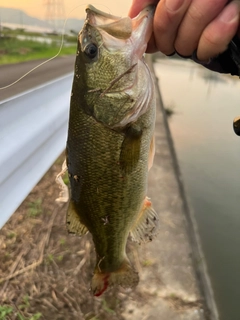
x=146 y=226
x=130 y=150
x=74 y=225
x=64 y=194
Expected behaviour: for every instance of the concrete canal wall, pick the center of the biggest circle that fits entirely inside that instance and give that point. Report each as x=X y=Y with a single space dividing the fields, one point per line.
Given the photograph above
x=176 y=281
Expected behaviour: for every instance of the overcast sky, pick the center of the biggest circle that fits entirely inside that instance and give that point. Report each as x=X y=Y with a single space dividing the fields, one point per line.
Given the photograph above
x=37 y=8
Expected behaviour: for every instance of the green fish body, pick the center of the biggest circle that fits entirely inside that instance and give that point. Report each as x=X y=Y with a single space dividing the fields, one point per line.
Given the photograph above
x=110 y=144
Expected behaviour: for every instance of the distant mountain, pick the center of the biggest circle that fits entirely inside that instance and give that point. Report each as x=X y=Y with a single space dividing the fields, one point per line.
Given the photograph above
x=19 y=17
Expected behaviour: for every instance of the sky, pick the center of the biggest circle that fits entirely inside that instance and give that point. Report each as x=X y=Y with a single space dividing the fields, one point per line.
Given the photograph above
x=73 y=8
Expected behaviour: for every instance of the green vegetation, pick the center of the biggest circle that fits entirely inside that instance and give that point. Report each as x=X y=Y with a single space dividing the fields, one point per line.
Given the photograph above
x=36 y=316
x=35 y=208
x=106 y=307
x=66 y=179
x=6 y=312
x=49 y=258
x=59 y=258
x=62 y=241
x=13 y=50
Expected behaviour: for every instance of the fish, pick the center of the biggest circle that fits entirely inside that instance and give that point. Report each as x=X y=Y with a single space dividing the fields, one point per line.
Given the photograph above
x=110 y=145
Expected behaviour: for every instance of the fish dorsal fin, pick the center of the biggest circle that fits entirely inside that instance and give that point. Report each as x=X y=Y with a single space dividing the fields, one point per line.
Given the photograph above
x=74 y=225
x=146 y=224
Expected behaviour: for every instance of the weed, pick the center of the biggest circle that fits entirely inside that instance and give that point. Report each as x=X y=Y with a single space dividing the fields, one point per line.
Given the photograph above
x=4 y=311
x=147 y=263
x=25 y=303
x=62 y=241
x=35 y=208
x=59 y=258
x=11 y=235
x=106 y=307
x=66 y=179
x=8 y=255
x=36 y=316
x=50 y=258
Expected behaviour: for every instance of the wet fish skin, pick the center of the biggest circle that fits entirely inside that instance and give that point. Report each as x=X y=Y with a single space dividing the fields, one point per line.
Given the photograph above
x=110 y=142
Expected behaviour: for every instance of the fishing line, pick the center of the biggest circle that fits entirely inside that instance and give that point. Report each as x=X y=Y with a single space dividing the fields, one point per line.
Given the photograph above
x=56 y=55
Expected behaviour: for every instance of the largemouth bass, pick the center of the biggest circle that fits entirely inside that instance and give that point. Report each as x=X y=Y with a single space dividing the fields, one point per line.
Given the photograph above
x=110 y=145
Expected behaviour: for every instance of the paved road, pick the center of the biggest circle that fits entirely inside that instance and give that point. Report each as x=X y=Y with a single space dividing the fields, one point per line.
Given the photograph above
x=51 y=70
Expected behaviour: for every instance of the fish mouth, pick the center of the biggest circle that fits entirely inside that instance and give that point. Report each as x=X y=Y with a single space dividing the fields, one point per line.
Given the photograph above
x=138 y=30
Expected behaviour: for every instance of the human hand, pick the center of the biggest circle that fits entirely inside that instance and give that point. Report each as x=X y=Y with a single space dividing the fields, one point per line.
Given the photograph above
x=187 y=26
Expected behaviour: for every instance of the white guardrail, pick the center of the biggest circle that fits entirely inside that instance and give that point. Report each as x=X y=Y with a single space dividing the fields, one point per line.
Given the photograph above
x=33 y=132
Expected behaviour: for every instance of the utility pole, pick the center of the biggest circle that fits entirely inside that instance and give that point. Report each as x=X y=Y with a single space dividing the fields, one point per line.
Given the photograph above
x=55 y=12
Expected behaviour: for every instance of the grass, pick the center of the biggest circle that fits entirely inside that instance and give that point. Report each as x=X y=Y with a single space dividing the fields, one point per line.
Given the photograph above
x=13 y=50
x=52 y=271
x=7 y=312
x=35 y=208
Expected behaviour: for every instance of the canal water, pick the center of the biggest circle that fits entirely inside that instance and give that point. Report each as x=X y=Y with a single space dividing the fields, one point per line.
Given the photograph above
x=208 y=151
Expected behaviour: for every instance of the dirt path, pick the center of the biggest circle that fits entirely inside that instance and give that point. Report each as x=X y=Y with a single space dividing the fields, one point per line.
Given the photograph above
x=45 y=271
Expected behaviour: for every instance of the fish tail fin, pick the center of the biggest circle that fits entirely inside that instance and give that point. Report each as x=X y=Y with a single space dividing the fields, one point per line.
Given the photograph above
x=125 y=277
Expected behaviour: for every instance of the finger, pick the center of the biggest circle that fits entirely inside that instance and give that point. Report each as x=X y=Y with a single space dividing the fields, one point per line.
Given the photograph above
x=198 y=16
x=139 y=5
x=168 y=16
x=152 y=47
x=219 y=33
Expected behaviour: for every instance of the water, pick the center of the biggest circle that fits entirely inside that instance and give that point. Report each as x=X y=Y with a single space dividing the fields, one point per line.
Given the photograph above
x=208 y=152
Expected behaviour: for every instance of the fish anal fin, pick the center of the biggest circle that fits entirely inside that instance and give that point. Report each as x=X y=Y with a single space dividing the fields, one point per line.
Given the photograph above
x=125 y=277
x=74 y=225
x=145 y=227
x=130 y=150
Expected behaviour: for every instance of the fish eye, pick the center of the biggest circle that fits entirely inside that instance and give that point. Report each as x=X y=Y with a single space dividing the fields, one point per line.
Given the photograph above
x=91 y=50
